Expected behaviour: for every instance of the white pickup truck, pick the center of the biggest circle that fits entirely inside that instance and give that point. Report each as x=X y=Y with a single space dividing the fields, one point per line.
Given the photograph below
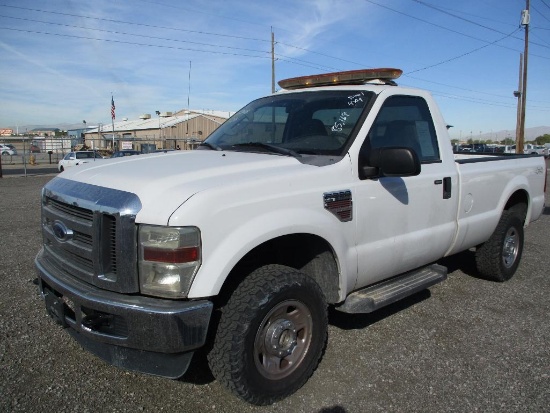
x=340 y=190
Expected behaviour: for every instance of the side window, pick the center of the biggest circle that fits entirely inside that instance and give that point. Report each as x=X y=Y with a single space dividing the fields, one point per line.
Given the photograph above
x=406 y=121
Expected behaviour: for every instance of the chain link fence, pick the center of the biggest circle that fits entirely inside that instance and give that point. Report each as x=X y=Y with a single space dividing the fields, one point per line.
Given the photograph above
x=49 y=150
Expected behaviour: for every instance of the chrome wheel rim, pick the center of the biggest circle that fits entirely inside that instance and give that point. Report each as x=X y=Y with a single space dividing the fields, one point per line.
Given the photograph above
x=510 y=248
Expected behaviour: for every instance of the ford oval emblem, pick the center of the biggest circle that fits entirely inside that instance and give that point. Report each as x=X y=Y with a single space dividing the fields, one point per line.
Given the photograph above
x=61 y=232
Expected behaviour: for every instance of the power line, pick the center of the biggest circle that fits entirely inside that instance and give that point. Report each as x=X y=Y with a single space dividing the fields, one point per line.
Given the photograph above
x=472 y=100
x=542 y=40
x=155 y=3
x=431 y=6
x=279 y=57
x=429 y=22
x=534 y=8
x=446 y=28
x=485 y=102
x=319 y=53
x=132 y=23
x=464 y=54
x=468 y=90
x=477 y=16
x=131 y=43
x=133 y=34
x=286 y=58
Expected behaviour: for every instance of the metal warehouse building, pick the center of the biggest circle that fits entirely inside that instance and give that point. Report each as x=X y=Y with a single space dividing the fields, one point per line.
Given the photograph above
x=183 y=130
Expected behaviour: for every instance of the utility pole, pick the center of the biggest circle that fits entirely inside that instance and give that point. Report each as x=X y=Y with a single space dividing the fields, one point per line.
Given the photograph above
x=272 y=61
x=273 y=126
x=525 y=19
x=518 y=93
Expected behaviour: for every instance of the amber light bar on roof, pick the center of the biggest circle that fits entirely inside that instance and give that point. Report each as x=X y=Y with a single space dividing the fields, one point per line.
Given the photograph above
x=340 y=78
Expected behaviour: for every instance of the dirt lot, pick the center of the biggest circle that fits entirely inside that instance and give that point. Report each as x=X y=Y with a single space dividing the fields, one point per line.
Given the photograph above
x=466 y=345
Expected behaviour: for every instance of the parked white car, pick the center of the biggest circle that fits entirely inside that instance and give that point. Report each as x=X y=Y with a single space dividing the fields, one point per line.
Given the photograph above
x=534 y=149
x=528 y=149
x=77 y=158
x=7 y=149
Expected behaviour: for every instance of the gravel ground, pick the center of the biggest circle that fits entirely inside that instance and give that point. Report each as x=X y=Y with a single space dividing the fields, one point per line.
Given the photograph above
x=465 y=345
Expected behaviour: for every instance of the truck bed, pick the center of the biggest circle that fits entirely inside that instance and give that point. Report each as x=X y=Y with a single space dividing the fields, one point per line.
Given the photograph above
x=486 y=182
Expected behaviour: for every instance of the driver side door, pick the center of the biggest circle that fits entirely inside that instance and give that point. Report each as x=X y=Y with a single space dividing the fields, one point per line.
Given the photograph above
x=404 y=222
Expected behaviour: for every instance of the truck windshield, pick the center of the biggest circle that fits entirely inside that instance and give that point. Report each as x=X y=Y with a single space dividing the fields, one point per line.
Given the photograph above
x=293 y=124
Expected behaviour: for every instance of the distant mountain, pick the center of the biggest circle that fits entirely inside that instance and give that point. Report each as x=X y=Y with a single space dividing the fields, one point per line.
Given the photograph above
x=530 y=134
x=60 y=126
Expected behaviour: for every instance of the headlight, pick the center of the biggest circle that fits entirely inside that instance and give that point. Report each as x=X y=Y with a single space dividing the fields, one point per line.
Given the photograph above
x=169 y=258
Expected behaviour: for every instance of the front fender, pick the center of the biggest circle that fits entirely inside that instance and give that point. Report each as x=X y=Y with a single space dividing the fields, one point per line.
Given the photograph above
x=220 y=255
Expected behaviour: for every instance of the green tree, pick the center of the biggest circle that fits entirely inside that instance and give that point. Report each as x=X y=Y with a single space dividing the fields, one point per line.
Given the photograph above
x=541 y=140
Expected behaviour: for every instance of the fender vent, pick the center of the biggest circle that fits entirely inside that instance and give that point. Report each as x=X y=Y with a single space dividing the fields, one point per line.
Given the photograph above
x=340 y=204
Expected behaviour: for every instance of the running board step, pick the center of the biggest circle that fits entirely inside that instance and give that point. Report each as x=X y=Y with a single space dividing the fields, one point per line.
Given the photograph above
x=387 y=292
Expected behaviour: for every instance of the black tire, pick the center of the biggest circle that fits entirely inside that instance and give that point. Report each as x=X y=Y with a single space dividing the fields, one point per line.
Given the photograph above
x=499 y=257
x=61 y=169
x=271 y=335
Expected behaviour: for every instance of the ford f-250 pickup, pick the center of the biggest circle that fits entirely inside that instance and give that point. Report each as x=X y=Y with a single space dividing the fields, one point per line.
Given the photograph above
x=341 y=189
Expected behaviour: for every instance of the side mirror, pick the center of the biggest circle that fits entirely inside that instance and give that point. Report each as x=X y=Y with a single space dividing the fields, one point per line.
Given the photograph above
x=391 y=161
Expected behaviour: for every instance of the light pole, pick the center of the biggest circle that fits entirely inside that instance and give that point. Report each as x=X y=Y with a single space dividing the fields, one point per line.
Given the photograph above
x=84 y=134
x=158 y=114
x=98 y=135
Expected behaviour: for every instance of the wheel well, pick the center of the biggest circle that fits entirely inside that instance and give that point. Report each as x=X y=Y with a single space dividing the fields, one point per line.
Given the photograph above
x=518 y=203
x=307 y=253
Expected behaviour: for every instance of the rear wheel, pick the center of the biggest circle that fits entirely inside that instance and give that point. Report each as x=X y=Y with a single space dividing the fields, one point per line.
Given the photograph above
x=271 y=335
x=499 y=257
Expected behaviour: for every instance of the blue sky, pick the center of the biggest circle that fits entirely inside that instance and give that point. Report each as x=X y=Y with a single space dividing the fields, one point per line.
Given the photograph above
x=62 y=59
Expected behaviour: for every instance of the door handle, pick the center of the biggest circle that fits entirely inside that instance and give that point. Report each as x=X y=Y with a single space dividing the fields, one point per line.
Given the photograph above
x=447 y=187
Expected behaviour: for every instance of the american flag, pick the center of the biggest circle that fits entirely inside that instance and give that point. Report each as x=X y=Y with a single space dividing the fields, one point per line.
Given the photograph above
x=112 y=108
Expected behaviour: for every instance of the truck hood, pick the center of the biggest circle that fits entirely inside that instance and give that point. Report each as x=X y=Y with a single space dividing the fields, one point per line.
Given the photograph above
x=165 y=180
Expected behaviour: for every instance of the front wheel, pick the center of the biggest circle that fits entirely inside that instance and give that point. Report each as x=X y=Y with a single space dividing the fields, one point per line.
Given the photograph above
x=271 y=335
x=498 y=258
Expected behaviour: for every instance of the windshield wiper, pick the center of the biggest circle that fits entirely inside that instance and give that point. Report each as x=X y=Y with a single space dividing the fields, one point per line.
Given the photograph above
x=271 y=148
x=211 y=146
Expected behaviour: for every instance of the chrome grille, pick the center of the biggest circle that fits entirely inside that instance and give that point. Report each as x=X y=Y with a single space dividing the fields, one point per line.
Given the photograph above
x=70 y=210
x=87 y=237
x=109 y=227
